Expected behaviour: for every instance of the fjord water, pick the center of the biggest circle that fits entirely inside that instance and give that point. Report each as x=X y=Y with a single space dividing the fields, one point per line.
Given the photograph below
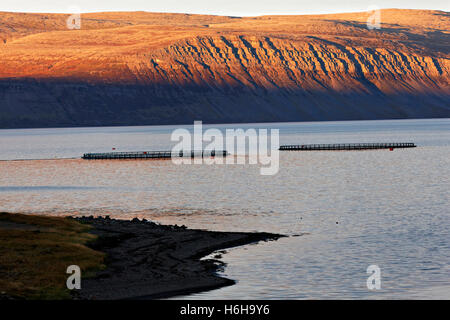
x=343 y=211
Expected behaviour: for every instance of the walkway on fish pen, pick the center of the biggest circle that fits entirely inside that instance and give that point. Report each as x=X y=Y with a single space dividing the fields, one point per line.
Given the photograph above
x=347 y=146
x=152 y=155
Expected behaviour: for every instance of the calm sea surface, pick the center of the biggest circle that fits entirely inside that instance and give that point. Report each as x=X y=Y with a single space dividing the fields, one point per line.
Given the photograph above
x=343 y=210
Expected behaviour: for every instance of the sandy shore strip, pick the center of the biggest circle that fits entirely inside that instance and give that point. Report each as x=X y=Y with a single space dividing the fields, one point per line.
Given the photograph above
x=145 y=260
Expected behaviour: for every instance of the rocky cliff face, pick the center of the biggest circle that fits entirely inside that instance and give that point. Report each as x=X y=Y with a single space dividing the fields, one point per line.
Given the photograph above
x=218 y=69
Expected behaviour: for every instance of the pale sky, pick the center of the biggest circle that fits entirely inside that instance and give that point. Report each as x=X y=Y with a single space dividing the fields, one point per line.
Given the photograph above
x=219 y=7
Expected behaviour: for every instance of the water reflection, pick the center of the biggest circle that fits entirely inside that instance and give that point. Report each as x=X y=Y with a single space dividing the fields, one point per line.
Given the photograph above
x=352 y=209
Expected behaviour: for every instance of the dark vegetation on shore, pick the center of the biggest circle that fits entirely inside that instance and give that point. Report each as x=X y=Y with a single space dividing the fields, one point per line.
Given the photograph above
x=119 y=259
x=35 y=252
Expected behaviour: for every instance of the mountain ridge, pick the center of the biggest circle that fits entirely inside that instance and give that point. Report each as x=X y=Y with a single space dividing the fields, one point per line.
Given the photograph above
x=176 y=68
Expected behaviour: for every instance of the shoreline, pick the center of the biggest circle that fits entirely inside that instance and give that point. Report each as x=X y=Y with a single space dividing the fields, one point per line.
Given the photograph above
x=145 y=260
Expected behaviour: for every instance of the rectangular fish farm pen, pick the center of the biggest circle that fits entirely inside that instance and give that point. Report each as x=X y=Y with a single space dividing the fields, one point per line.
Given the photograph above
x=347 y=146
x=151 y=155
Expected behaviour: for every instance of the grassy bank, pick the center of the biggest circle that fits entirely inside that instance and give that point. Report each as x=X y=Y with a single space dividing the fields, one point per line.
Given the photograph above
x=35 y=252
